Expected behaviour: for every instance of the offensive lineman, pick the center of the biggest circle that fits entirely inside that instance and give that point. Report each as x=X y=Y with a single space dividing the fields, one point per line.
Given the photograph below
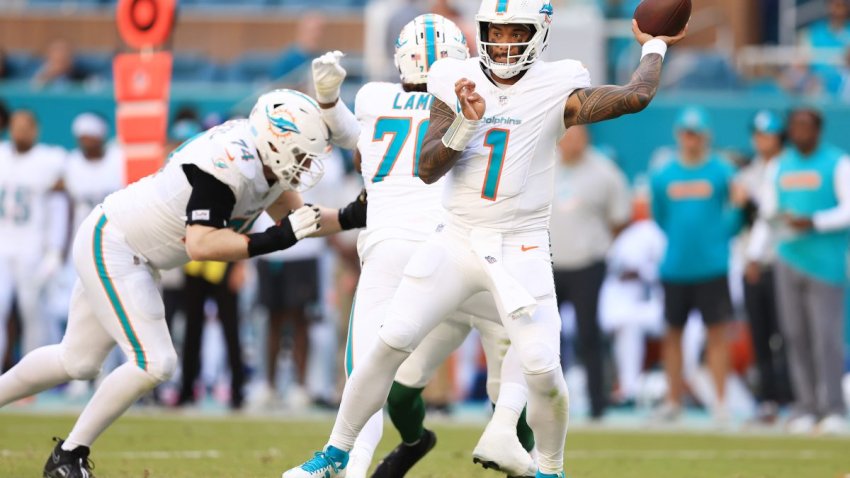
x=198 y=206
x=494 y=123
x=387 y=133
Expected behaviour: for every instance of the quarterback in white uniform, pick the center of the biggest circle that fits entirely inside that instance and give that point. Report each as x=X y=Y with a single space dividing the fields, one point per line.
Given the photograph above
x=494 y=124
x=32 y=228
x=198 y=206
x=387 y=130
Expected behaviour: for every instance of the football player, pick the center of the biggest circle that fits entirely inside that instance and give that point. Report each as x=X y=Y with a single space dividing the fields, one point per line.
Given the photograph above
x=198 y=206
x=386 y=131
x=495 y=122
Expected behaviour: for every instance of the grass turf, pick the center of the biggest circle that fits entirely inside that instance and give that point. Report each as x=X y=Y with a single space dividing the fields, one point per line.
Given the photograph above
x=177 y=447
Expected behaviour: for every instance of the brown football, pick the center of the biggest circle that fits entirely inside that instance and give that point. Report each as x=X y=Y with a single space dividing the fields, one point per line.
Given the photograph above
x=663 y=17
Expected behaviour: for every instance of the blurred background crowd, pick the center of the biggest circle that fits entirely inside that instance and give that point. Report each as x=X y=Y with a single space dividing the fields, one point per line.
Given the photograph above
x=665 y=309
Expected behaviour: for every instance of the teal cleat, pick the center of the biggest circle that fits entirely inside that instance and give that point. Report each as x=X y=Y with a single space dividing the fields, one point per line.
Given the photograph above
x=329 y=463
x=560 y=474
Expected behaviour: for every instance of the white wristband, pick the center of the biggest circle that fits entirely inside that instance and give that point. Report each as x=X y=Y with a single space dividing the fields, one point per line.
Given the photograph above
x=460 y=132
x=327 y=96
x=654 y=46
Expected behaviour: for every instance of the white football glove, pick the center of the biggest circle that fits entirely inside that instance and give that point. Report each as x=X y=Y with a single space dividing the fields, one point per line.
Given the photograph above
x=328 y=75
x=304 y=221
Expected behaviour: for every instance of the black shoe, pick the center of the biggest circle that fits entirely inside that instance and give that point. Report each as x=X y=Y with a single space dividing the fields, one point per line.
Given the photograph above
x=68 y=464
x=403 y=457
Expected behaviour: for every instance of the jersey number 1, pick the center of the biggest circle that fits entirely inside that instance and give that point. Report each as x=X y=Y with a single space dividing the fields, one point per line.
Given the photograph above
x=497 y=140
x=399 y=128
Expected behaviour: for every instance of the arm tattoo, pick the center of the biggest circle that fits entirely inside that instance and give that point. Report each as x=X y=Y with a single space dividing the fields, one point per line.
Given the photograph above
x=611 y=101
x=435 y=159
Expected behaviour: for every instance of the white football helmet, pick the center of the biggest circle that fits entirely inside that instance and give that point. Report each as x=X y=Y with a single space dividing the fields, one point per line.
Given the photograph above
x=291 y=137
x=537 y=14
x=426 y=39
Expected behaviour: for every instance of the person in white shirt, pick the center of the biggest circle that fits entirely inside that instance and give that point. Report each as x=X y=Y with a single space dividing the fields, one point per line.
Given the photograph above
x=33 y=222
x=590 y=206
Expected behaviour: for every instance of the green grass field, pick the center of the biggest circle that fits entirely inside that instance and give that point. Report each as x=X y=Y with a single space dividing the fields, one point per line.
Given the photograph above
x=173 y=446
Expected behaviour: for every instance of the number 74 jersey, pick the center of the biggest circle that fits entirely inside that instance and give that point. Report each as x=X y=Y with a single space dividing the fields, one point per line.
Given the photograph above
x=505 y=177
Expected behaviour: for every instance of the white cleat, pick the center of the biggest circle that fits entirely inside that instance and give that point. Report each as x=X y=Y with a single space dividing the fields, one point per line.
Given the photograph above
x=500 y=449
x=833 y=424
x=802 y=425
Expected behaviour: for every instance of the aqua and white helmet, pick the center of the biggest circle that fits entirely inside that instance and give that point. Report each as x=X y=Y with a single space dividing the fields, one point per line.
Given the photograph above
x=291 y=137
x=537 y=14
x=426 y=39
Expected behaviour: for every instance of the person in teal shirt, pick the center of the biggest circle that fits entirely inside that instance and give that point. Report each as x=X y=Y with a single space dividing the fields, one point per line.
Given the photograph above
x=697 y=204
x=805 y=204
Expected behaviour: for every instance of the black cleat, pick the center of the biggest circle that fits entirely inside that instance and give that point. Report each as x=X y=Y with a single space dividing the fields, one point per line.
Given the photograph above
x=403 y=457
x=68 y=464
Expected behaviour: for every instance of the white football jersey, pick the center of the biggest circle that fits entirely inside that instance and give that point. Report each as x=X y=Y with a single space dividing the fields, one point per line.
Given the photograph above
x=504 y=179
x=25 y=182
x=151 y=213
x=89 y=182
x=392 y=127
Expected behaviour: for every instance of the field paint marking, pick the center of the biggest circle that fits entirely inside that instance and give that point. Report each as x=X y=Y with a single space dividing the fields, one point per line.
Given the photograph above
x=803 y=455
x=700 y=454
x=139 y=455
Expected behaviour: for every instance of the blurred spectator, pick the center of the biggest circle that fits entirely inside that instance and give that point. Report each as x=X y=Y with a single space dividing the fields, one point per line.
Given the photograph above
x=221 y=282
x=831 y=32
x=4 y=120
x=4 y=65
x=696 y=204
x=807 y=204
x=32 y=225
x=308 y=37
x=290 y=290
x=58 y=68
x=95 y=168
x=631 y=303
x=799 y=78
x=759 y=294
x=591 y=206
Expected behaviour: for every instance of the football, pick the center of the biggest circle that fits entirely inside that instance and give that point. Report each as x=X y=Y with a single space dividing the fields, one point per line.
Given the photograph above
x=663 y=17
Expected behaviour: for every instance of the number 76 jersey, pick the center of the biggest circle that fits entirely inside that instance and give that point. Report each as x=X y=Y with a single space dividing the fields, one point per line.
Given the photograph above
x=504 y=179
x=393 y=123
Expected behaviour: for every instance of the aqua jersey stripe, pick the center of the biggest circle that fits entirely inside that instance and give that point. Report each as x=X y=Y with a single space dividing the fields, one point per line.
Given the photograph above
x=109 y=287
x=502 y=6
x=430 y=41
x=349 y=344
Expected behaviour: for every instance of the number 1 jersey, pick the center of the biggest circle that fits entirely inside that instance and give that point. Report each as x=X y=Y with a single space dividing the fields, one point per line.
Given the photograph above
x=504 y=179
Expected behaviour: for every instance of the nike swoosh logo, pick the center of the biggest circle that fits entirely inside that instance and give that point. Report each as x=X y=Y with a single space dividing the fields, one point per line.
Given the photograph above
x=55 y=457
x=528 y=248
x=229 y=156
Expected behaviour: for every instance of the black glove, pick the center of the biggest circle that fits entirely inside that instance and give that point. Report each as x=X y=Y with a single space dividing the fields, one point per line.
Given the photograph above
x=353 y=216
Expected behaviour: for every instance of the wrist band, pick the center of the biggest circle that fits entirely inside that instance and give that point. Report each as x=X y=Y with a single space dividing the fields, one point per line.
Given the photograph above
x=654 y=46
x=460 y=133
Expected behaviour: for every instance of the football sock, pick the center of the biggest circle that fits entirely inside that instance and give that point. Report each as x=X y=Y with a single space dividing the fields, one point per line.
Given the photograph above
x=364 y=447
x=407 y=412
x=116 y=394
x=524 y=433
x=548 y=415
x=365 y=393
x=38 y=370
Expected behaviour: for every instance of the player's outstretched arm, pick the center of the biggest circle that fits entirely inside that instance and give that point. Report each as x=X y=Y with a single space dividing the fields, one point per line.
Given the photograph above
x=448 y=133
x=591 y=105
x=331 y=220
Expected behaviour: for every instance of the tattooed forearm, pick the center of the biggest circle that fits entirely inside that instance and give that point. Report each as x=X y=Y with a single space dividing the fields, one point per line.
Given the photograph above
x=435 y=159
x=590 y=105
